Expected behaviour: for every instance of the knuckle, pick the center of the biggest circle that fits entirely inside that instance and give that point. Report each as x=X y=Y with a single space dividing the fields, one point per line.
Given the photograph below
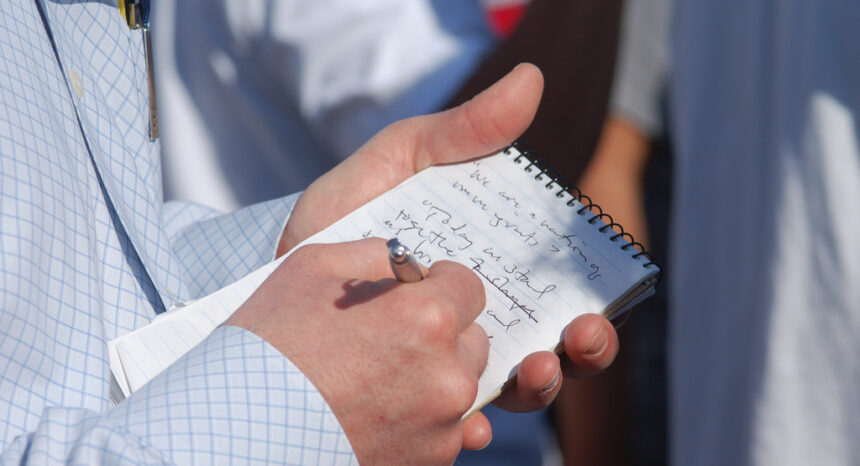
x=472 y=280
x=444 y=446
x=458 y=393
x=473 y=287
x=463 y=284
x=479 y=332
x=437 y=323
x=449 y=446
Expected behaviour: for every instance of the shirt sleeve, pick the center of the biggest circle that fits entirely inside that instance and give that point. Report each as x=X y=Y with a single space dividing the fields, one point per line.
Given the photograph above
x=233 y=399
x=216 y=249
x=643 y=64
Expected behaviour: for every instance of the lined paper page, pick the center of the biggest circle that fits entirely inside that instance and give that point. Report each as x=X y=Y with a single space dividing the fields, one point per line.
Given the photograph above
x=541 y=263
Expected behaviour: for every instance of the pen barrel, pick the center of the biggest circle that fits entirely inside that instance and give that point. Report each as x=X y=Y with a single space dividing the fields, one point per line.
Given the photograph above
x=408 y=271
x=154 y=129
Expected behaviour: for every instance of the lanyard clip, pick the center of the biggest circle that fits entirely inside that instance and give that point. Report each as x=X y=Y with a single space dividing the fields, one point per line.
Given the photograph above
x=136 y=15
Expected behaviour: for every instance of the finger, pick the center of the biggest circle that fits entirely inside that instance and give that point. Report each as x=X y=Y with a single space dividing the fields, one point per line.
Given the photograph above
x=536 y=385
x=475 y=348
x=491 y=120
x=365 y=259
x=590 y=344
x=477 y=432
x=461 y=286
x=483 y=125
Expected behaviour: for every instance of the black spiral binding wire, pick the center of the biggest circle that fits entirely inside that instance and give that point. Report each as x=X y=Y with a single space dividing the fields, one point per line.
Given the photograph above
x=544 y=171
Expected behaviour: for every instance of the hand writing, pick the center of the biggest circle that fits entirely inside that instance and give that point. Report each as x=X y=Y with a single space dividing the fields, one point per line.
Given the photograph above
x=490 y=121
x=398 y=363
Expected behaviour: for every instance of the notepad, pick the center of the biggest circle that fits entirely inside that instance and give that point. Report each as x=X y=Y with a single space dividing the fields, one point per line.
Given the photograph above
x=544 y=252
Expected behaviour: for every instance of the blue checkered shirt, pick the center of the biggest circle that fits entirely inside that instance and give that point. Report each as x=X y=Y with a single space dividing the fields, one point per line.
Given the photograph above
x=89 y=252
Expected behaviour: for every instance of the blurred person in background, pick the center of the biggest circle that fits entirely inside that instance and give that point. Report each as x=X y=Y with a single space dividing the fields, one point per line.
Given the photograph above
x=262 y=97
x=629 y=176
x=763 y=103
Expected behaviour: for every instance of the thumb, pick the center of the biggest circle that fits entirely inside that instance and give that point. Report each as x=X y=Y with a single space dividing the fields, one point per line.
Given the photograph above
x=483 y=125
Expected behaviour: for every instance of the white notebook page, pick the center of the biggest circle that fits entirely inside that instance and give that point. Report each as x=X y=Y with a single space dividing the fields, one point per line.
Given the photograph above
x=541 y=263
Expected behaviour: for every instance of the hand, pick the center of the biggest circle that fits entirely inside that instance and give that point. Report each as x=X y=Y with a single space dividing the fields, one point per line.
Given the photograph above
x=485 y=124
x=398 y=363
x=479 y=127
x=590 y=346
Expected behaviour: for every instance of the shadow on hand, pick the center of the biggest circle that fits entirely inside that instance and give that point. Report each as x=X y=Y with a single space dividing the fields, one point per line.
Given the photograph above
x=361 y=291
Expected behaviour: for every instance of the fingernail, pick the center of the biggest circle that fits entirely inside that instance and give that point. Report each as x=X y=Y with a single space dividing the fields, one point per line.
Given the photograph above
x=486 y=444
x=598 y=343
x=551 y=386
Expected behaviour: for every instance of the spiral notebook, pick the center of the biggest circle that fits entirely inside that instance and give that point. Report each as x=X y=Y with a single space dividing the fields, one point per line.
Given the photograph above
x=544 y=251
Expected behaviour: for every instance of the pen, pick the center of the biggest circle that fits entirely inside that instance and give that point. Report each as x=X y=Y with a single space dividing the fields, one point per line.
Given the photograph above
x=403 y=263
x=136 y=13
